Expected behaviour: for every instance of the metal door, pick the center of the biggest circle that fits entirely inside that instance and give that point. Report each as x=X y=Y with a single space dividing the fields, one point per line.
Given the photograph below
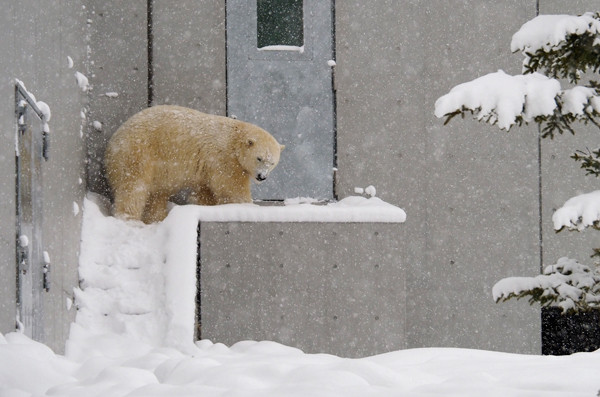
x=280 y=77
x=32 y=263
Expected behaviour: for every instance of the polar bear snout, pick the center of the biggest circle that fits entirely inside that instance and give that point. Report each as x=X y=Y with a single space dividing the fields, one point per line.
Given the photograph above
x=264 y=167
x=261 y=175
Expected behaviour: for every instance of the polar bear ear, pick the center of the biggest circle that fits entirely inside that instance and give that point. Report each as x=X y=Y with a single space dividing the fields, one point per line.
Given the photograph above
x=281 y=147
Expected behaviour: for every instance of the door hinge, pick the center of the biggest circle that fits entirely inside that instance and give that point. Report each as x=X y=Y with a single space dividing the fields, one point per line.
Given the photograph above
x=46 y=271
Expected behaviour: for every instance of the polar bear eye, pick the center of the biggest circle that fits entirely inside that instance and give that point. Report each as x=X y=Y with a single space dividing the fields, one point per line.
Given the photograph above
x=259 y=159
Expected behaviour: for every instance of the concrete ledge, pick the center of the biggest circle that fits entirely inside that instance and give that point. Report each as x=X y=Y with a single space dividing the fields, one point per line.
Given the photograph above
x=335 y=288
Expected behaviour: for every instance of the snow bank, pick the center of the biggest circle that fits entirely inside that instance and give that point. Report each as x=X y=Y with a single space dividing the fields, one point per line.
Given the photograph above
x=548 y=31
x=122 y=276
x=578 y=212
x=501 y=98
x=114 y=366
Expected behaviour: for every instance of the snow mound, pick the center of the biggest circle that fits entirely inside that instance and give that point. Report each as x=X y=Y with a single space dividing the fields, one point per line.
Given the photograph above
x=115 y=366
x=136 y=307
x=137 y=280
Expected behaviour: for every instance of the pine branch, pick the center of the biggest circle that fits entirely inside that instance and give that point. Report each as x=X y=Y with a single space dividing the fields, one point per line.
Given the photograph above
x=590 y=161
x=577 y=54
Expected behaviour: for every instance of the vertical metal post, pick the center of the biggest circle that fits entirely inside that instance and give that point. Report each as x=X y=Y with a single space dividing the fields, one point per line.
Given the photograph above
x=198 y=285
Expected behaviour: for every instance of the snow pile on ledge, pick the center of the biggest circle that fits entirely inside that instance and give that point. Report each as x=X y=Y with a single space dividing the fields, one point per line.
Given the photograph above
x=350 y=209
x=135 y=279
x=548 y=31
x=578 y=212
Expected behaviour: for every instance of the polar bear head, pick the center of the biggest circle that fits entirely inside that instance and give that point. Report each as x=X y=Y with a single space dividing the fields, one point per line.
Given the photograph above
x=259 y=153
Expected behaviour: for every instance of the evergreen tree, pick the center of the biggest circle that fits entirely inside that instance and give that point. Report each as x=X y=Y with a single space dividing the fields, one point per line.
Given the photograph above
x=556 y=48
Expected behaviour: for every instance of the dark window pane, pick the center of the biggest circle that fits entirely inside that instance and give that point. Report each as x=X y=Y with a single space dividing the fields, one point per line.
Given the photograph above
x=279 y=22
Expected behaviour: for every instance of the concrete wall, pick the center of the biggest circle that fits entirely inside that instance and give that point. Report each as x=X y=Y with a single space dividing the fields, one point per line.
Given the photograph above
x=118 y=63
x=322 y=287
x=186 y=64
x=7 y=179
x=38 y=36
x=189 y=54
x=471 y=192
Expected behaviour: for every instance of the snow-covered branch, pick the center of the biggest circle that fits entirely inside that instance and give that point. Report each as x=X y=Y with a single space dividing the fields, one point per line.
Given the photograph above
x=578 y=212
x=567 y=284
x=563 y=46
x=553 y=46
x=505 y=100
x=499 y=98
x=548 y=32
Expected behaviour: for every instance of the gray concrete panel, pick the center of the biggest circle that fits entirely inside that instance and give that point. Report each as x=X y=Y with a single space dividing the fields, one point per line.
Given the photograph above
x=189 y=54
x=470 y=191
x=118 y=64
x=322 y=287
x=561 y=175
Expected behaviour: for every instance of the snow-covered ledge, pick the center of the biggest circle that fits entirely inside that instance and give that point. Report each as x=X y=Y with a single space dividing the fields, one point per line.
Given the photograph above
x=140 y=280
x=351 y=209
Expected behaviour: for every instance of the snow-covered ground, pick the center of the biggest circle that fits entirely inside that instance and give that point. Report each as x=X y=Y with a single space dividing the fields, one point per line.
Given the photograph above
x=133 y=334
x=112 y=365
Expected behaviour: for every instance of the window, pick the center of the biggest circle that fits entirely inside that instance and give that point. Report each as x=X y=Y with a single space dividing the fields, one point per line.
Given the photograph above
x=280 y=24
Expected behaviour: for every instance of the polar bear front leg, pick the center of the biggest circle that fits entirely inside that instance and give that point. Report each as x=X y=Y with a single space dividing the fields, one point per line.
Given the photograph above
x=129 y=201
x=201 y=196
x=232 y=194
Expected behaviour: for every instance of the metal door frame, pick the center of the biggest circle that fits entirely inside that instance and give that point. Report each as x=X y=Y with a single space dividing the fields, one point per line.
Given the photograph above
x=32 y=263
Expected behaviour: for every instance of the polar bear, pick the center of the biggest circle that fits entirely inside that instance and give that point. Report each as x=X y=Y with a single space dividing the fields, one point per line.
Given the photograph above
x=163 y=150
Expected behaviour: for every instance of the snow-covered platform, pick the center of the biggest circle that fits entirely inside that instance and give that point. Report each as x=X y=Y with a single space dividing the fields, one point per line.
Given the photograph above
x=321 y=277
